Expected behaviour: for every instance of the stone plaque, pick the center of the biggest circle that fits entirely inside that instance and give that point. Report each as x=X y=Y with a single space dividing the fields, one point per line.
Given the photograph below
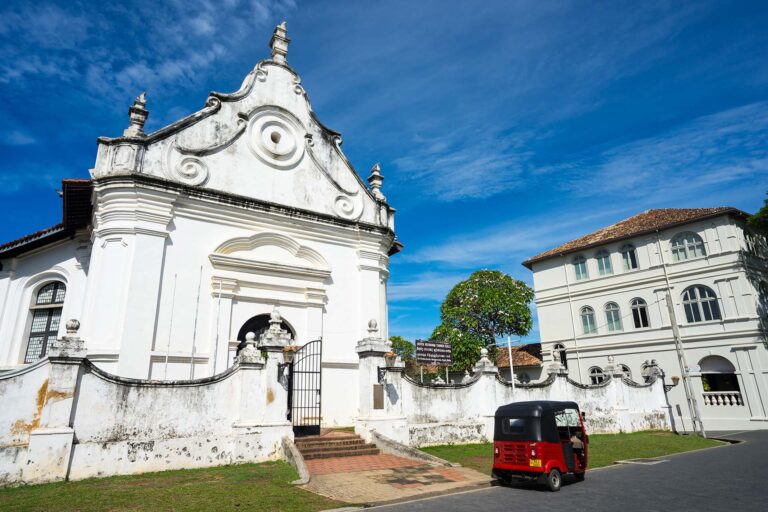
x=378 y=396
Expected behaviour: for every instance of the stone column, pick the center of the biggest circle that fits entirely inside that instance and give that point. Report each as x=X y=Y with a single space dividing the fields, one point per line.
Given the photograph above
x=50 y=445
x=487 y=383
x=378 y=410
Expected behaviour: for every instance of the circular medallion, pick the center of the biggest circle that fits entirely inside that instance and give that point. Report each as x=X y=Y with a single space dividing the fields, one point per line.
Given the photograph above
x=276 y=139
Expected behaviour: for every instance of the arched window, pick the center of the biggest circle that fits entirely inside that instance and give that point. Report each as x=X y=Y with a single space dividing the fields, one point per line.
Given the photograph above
x=700 y=304
x=604 y=263
x=626 y=371
x=560 y=349
x=580 y=268
x=640 y=313
x=718 y=376
x=588 y=320
x=686 y=246
x=596 y=375
x=613 y=317
x=46 y=316
x=629 y=257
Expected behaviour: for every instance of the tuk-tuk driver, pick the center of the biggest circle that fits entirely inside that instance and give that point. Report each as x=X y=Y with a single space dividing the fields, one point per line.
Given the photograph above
x=578 y=446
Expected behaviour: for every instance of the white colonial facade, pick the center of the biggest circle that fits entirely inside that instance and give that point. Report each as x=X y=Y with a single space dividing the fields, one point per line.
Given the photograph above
x=604 y=296
x=189 y=237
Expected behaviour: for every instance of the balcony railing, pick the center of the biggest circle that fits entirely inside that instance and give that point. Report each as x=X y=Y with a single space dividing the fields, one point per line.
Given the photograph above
x=723 y=398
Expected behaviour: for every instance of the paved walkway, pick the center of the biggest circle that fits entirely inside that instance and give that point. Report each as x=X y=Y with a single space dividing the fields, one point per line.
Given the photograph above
x=369 y=479
x=729 y=477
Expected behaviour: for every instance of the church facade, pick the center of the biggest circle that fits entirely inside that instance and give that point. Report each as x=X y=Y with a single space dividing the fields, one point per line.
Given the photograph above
x=187 y=238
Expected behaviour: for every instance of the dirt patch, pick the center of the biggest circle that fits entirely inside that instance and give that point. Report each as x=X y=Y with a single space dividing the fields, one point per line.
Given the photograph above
x=21 y=427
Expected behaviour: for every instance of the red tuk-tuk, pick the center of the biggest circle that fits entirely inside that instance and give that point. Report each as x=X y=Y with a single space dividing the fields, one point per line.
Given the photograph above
x=540 y=441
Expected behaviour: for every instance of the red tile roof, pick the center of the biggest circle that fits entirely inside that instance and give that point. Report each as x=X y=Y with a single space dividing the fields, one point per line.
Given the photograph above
x=76 y=214
x=647 y=222
x=523 y=355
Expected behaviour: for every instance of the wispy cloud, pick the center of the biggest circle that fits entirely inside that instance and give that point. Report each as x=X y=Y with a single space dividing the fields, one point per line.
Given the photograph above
x=702 y=155
x=17 y=138
x=121 y=49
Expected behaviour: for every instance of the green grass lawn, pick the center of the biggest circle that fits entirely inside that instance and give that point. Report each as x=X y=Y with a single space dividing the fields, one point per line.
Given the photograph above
x=257 y=487
x=604 y=449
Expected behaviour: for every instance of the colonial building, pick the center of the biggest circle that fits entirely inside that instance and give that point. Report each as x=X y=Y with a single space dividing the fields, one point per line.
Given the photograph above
x=526 y=362
x=187 y=238
x=604 y=295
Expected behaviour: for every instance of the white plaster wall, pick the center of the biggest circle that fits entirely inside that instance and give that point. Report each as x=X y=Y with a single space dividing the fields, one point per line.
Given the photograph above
x=62 y=261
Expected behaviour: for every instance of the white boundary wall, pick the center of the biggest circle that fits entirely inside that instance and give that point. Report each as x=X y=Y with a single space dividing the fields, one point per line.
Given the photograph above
x=421 y=415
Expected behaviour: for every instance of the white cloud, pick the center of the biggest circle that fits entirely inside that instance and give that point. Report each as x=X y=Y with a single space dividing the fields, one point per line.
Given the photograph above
x=431 y=286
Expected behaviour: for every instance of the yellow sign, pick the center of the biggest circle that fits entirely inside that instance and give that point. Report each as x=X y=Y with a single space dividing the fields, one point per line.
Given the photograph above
x=535 y=463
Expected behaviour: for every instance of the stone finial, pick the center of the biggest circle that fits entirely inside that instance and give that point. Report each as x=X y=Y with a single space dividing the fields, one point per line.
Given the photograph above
x=373 y=327
x=376 y=179
x=484 y=364
x=275 y=338
x=467 y=377
x=279 y=43
x=69 y=346
x=73 y=325
x=250 y=354
x=137 y=115
x=611 y=359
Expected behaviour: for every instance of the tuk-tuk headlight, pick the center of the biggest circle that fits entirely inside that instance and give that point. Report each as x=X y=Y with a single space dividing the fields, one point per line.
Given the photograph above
x=495 y=451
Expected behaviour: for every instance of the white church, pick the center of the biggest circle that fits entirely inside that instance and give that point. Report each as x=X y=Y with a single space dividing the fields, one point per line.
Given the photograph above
x=189 y=237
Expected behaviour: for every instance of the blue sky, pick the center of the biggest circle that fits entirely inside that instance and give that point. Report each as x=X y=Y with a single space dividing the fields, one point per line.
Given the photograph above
x=503 y=128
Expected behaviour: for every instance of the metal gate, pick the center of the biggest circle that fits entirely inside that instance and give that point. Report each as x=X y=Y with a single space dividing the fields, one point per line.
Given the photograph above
x=304 y=390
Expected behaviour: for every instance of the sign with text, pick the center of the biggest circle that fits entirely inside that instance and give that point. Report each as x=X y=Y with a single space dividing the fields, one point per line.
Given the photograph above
x=433 y=353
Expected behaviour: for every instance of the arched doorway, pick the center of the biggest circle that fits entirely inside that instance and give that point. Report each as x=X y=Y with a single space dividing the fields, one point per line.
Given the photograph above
x=257 y=325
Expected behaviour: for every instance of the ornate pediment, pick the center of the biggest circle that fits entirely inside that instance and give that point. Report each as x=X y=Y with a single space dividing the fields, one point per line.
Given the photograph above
x=262 y=141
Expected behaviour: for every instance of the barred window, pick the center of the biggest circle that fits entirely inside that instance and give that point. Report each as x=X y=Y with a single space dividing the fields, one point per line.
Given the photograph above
x=700 y=304
x=686 y=246
x=46 y=316
x=596 y=375
x=640 y=313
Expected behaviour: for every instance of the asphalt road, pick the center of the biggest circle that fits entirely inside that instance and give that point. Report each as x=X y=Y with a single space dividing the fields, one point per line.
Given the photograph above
x=732 y=478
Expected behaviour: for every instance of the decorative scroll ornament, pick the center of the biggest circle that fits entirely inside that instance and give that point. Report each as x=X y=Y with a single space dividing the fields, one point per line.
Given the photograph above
x=190 y=171
x=276 y=139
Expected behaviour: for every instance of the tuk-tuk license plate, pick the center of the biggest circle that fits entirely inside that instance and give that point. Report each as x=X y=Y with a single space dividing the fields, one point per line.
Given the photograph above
x=535 y=463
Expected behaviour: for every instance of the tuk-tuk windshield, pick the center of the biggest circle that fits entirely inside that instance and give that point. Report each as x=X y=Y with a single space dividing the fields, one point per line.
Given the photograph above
x=520 y=428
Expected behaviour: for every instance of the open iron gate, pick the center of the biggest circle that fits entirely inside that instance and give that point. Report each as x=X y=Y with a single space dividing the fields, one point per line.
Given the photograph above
x=304 y=390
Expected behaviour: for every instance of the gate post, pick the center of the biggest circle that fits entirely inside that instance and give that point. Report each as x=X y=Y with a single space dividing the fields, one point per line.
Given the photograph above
x=50 y=443
x=374 y=412
x=273 y=341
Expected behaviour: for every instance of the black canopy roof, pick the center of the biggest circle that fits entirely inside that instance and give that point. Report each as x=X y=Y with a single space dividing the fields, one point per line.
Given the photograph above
x=534 y=408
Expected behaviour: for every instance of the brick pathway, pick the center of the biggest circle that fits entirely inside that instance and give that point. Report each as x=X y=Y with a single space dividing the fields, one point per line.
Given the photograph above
x=370 y=479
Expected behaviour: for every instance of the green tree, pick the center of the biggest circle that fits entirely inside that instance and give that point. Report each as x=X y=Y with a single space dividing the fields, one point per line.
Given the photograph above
x=402 y=347
x=478 y=311
x=759 y=221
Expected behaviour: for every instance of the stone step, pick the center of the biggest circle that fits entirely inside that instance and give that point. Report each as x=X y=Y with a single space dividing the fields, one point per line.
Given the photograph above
x=302 y=444
x=327 y=454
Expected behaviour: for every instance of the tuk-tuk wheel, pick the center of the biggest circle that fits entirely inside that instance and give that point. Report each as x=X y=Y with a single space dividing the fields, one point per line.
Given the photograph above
x=554 y=480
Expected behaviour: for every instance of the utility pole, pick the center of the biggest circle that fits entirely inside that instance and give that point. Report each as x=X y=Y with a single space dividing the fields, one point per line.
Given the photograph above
x=693 y=405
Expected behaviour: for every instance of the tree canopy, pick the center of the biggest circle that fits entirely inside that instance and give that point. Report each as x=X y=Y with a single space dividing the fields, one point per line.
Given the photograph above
x=488 y=305
x=759 y=221
x=402 y=347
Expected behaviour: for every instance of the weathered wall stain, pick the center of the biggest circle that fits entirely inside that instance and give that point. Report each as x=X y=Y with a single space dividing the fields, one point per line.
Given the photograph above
x=270 y=396
x=21 y=427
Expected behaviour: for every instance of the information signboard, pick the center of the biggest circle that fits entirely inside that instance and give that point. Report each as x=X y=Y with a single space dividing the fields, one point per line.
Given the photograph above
x=433 y=353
